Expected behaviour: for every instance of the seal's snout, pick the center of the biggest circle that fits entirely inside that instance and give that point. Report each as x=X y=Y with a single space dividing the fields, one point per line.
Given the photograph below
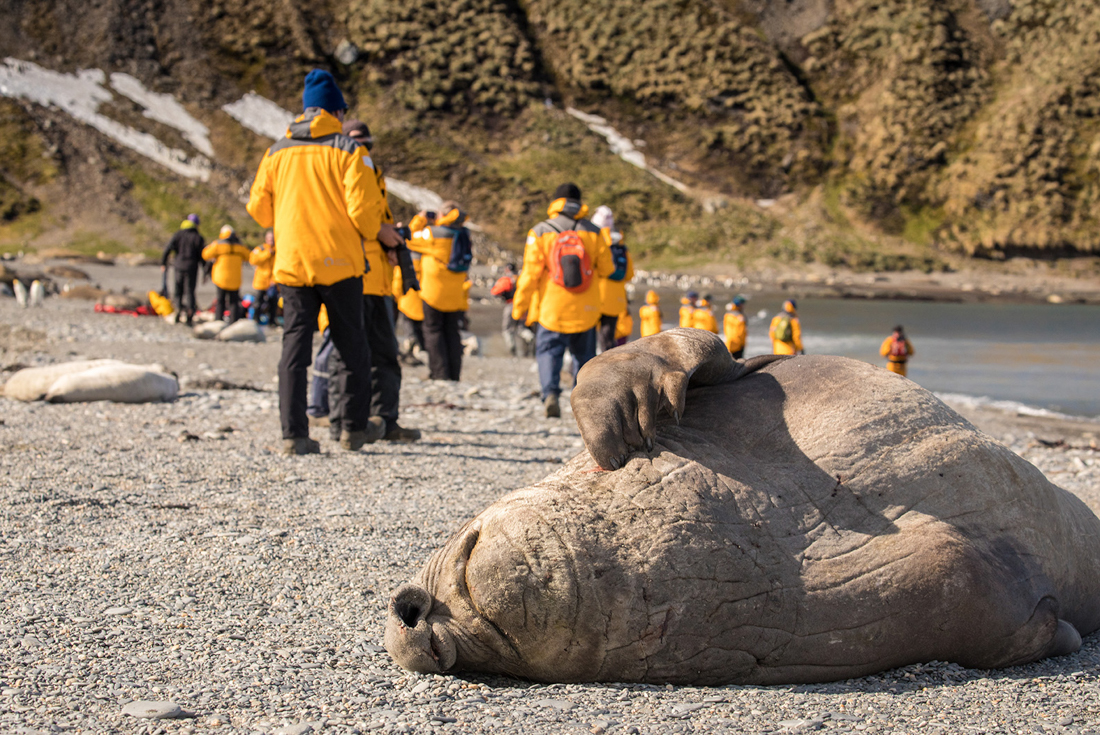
x=410 y=604
x=414 y=643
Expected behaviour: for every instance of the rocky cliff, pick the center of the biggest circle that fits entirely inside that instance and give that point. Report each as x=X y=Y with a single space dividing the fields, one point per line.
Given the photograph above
x=968 y=126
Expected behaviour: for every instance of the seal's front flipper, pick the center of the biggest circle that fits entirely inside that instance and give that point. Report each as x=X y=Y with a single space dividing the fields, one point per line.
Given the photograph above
x=1066 y=640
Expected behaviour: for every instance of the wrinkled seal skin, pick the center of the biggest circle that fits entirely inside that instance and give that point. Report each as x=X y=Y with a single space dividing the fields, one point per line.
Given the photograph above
x=807 y=519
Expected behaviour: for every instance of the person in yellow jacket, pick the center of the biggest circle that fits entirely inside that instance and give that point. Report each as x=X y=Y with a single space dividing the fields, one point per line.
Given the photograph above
x=563 y=257
x=612 y=288
x=734 y=327
x=328 y=203
x=687 y=306
x=262 y=259
x=378 y=311
x=444 y=261
x=228 y=255
x=650 y=314
x=897 y=349
x=624 y=327
x=786 y=331
x=702 y=317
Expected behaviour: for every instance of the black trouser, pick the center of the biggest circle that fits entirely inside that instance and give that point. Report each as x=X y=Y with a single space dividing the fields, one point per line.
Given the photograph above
x=417 y=327
x=186 y=277
x=739 y=354
x=351 y=397
x=266 y=302
x=385 y=370
x=606 y=333
x=443 y=343
x=234 y=305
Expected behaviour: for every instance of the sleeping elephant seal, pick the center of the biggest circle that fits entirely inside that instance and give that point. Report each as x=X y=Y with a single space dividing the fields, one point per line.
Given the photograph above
x=791 y=520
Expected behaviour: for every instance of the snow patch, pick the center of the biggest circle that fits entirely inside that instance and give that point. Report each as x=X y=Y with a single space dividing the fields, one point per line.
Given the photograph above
x=260 y=115
x=622 y=146
x=266 y=118
x=80 y=95
x=164 y=108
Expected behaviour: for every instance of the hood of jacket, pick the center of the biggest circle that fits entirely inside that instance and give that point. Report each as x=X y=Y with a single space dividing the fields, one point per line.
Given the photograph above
x=570 y=207
x=314 y=123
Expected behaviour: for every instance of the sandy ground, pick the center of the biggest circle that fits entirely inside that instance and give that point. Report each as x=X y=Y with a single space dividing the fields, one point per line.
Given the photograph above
x=166 y=552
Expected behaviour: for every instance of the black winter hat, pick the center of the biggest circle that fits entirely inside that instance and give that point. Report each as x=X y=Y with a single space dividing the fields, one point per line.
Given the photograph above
x=568 y=191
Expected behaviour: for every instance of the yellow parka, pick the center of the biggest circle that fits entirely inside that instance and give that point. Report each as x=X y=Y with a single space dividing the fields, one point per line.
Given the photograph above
x=538 y=296
x=263 y=260
x=228 y=258
x=733 y=324
x=686 y=309
x=378 y=279
x=613 y=293
x=896 y=364
x=315 y=188
x=650 y=315
x=440 y=288
x=624 y=327
x=703 y=318
x=786 y=348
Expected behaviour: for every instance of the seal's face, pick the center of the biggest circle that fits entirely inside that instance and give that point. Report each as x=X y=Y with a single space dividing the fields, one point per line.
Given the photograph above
x=494 y=598
x=433 y=624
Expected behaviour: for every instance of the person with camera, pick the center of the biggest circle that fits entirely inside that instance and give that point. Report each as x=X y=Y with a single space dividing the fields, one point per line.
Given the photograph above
x=446 y=254
x=316 y=190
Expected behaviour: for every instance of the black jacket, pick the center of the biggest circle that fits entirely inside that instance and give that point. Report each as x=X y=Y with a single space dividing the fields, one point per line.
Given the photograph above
x=187 y=245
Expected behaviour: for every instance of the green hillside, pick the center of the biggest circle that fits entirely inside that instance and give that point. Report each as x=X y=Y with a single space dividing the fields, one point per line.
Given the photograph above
x=894 y=133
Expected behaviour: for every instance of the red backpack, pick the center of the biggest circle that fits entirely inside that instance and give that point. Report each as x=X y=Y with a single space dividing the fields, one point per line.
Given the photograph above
x=570 y=266
x=899 y=350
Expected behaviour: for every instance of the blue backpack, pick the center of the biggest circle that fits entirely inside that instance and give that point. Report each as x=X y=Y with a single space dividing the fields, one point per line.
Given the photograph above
x=618 y=257
x=462 y=253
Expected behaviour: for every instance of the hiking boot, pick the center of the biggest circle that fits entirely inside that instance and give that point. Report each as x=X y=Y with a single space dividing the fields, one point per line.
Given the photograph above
x=353 y=441
x=176 y=318
x=319 y=421
x=401 y=434
x=553 y=407
x=300 y=445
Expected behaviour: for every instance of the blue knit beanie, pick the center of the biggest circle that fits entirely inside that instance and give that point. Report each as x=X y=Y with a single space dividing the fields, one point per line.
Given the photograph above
x=321 y=91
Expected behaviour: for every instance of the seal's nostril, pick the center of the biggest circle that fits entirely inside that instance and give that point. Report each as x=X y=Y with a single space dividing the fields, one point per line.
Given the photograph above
x=408 y=612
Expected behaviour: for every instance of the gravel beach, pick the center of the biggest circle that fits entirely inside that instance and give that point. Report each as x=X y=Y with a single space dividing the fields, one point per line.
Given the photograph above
x=164 y=570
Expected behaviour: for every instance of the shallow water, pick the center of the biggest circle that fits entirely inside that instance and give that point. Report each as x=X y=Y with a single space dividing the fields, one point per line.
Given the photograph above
x=1045 y=357
x=1039 y=355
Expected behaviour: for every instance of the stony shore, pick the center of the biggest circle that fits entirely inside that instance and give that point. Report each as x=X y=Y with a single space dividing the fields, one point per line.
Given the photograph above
x=167 y=553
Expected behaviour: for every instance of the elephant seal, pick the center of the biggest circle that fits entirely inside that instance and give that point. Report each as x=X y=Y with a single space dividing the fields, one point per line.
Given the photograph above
x=93 y=380
x=792 y=520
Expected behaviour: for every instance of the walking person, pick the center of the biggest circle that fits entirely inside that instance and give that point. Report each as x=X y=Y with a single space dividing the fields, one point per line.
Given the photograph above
x=897 y=349
x=612 y=288
x=562 y=258
x=262 y=259
x=650 y=314
x=446 y=255
x=314 y=188
x=785 y=331
x=186 y=245
x=735 y=328
x=379 y=313
x=228 y=256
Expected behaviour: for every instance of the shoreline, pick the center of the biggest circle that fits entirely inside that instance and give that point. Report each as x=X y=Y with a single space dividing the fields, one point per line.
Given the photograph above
x=986 y=284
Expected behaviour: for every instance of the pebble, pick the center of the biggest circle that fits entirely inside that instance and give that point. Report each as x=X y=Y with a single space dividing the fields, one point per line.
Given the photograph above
x=117 y=611
x=299 y=729
x=153 y=710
